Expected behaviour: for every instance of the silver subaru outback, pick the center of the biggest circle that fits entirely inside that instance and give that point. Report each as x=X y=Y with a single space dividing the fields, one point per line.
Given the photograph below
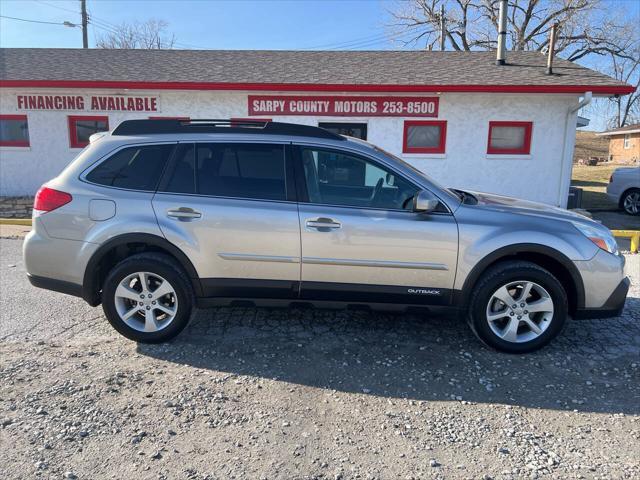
x=161 y=216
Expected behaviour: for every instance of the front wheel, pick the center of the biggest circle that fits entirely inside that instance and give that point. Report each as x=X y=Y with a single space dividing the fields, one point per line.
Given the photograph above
x=148 y=298
x=517 y=307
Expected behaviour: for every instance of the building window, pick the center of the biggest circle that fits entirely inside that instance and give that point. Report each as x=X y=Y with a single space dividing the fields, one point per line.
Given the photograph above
x=14 y=131
x=82 y=127
x=627 y=141
x=357 y=130
x=424 y=136
x=510 y=138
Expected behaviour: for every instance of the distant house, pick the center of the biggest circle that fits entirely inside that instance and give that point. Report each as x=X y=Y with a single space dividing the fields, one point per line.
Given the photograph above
x=624 y=143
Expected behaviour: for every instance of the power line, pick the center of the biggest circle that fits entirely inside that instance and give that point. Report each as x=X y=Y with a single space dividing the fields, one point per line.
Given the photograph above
x=370 y=39
x=65 y=24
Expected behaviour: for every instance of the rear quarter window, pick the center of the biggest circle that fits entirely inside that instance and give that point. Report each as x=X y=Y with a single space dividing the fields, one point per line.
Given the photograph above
x=133 y=168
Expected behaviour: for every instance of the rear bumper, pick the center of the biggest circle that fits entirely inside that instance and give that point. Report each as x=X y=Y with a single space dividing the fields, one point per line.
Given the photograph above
x=56 y=285
x=612 y=307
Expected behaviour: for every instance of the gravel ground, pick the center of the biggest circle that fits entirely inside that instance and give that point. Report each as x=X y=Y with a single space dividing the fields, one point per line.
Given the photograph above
x=274 y=393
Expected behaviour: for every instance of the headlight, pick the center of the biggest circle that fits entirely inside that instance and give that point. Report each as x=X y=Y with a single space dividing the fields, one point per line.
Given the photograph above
x=601 y=237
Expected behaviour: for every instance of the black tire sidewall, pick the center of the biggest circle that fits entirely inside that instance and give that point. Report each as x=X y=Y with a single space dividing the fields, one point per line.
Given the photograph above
x=508 y=274
x=166 y=271
x=624 y=197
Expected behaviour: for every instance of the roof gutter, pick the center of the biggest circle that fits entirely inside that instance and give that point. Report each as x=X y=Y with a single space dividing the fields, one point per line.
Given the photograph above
x=319 y=87
x=566 y=161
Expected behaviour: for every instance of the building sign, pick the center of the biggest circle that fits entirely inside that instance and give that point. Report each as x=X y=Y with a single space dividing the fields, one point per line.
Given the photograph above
x=88 y=103
x=338 y=106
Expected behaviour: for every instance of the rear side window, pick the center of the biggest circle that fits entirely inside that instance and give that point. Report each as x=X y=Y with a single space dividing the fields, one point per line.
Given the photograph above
x=229 y=170
x=135 y=168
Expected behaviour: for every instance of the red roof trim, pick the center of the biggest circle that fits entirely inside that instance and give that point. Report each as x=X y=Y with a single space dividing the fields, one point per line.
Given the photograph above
x=312 y=87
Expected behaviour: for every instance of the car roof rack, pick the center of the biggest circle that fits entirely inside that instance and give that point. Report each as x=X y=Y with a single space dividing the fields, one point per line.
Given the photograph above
x=265 y=127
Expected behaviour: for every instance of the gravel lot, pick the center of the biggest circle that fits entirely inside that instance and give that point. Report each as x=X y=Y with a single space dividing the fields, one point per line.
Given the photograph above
x=260 y=393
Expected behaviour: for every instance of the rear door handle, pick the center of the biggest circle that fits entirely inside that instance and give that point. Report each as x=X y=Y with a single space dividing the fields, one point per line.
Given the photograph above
x=184 y=214
x=323 y=223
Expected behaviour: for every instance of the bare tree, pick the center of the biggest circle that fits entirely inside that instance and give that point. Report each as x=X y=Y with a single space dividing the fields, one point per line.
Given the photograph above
x=144 y=35
x=588 y=30
x=625 y=110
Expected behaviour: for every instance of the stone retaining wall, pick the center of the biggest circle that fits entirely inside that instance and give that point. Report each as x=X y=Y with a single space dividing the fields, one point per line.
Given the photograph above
x=16 y=207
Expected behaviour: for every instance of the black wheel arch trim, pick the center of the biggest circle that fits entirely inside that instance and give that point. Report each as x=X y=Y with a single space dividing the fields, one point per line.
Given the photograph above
x=503 y=253
x=90 y=289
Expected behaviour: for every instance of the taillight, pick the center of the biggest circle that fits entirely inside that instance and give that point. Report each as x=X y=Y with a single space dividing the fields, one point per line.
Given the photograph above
x=48 y=199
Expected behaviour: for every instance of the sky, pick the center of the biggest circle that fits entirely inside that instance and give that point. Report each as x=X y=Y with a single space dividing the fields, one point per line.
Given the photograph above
x=227 y=24
x=208 y=24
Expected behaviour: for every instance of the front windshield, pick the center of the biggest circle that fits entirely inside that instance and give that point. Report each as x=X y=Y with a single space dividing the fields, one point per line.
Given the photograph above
x=418 y=172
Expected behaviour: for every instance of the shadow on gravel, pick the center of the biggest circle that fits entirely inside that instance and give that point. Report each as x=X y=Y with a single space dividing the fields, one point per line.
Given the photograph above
x=591 y=367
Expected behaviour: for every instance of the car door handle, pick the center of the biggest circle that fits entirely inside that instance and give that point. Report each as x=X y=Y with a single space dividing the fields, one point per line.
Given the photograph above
x=184 y=214
x=322 y=223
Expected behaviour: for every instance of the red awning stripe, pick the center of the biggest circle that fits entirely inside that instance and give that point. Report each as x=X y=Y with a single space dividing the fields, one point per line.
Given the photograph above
x=308 y=87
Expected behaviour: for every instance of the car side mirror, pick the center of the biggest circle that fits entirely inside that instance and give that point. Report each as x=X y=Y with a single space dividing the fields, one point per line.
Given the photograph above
x=425 y=201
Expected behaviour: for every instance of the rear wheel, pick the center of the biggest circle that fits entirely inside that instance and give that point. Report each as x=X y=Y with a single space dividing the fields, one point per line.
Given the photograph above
x=517 y=307
x=148 y=298
x=630 y=201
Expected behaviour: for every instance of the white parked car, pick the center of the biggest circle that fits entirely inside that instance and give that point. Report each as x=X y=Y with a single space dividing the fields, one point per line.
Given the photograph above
x=624 y=189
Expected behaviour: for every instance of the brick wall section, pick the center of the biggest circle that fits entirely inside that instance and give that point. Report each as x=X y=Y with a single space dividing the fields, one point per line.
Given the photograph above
x=16 y=207
x=618 y=153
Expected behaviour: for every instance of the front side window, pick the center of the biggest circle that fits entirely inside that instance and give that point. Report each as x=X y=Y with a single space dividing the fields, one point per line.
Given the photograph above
x=82 y=127
x=336 y=178
x=133 y=168
x=14 y=131
x=229 y=170
x=509 y=138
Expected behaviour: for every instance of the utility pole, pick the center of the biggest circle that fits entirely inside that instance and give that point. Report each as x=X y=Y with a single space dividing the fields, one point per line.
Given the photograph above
x=442 y=28
x=85 y=36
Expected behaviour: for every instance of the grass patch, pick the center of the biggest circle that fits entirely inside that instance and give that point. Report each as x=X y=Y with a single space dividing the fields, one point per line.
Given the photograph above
x=15 y=221
x=594 y=181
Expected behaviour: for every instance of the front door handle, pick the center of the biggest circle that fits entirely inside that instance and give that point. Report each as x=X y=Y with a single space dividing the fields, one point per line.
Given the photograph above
x=184 y=214
x=323 y=224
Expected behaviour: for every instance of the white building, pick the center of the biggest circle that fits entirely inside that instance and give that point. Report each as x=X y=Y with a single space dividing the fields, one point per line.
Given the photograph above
x=458 y=116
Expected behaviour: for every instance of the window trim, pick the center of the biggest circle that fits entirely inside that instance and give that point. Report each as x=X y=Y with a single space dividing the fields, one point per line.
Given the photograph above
x=442 y=146
x=16 y=143
x=73 y=134
x=526 y=147
x=626 y=141
x=169 y=117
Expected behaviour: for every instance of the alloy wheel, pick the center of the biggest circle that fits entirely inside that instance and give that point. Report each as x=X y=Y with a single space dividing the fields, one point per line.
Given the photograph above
x=146 y=302
x=632 y=203
x=519 y=311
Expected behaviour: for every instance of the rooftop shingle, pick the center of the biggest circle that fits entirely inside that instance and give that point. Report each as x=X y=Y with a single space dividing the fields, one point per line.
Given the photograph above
x=393 y=68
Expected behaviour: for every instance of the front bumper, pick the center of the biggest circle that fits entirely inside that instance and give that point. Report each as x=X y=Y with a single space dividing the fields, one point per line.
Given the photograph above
x=612 y=307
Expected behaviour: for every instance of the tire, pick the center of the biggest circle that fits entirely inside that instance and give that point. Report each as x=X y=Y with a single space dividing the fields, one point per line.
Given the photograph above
x=630 y=201
x=149 y=318
x=520 y=329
